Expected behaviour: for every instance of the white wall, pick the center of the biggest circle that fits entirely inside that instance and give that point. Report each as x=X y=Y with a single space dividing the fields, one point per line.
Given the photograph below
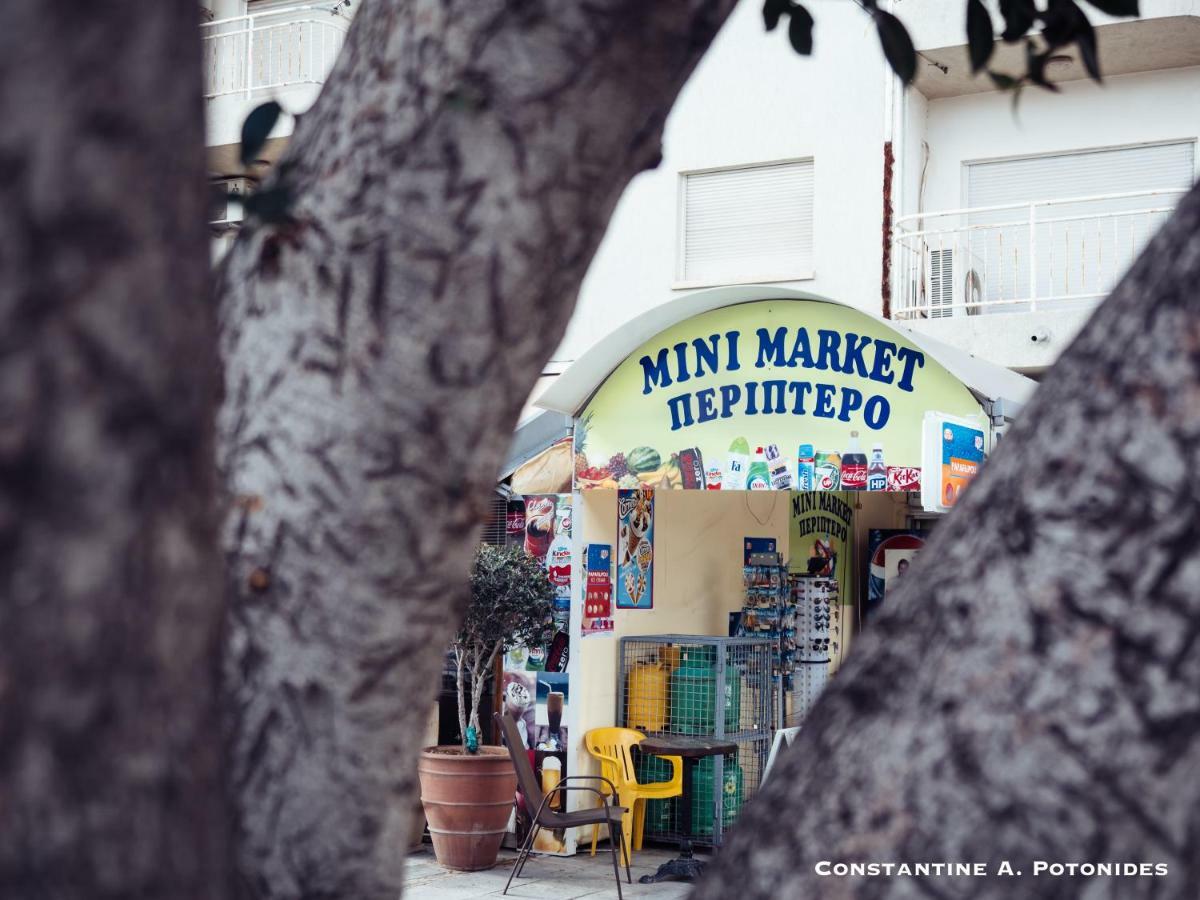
x=752 y=99
x=1129 y=109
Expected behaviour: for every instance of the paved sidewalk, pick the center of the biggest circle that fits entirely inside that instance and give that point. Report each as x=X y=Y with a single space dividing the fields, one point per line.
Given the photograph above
x=544 y=878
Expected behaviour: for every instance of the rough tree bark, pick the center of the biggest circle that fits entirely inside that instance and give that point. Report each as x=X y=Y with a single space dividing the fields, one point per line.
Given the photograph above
x=109 y=578
x=452 y=183
x=1033 y=693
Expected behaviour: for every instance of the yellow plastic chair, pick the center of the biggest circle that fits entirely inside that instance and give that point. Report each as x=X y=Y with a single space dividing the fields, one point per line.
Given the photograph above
x=611 y=746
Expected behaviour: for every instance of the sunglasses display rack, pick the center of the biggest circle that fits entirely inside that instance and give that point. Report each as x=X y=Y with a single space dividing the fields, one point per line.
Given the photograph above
x=769 y=612
x=817 y=635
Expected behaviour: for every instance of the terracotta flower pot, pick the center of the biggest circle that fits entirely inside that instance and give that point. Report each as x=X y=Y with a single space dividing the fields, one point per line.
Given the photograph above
x=467 y=800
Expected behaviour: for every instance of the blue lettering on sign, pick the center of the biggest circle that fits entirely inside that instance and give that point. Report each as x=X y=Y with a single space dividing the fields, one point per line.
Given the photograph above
x=706 y=354
x=770 y=347
x=829 y=402
x=655 y=372
x=730 y=394
x=876 y=412
x=824 y=406
x=848 y=353
x=852 y=400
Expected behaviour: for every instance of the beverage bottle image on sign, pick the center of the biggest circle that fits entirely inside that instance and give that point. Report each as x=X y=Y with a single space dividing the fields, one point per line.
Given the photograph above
x=691 y=468
x=734 y=476
x=760 y=476
x=854 y=466
x=781 y=476
x=805 y=464
x=877 y=470
x=827 y=471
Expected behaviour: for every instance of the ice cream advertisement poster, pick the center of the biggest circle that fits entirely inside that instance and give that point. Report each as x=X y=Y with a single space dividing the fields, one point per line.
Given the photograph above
x=597 y=600
x=962 y=455
x=635 y=549
x=955 y=449
x=767 y=395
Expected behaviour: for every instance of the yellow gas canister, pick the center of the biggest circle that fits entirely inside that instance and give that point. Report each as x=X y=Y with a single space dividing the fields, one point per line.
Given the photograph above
x=647 y=693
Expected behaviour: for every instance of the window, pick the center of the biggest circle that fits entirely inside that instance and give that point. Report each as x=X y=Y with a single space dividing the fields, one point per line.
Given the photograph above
x=1085 y=173
x=746 y=224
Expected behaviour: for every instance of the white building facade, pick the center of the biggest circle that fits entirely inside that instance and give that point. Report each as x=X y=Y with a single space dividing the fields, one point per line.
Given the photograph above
x=993 y=226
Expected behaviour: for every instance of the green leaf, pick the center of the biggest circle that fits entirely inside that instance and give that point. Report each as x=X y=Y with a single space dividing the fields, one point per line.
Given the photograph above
x=800 y=31
x=1086 y=42
x=1019 y=16
x=897 y=45
x=1117 y=7
x=1036 y=65
x=773 y=10
x=981 y=39
x=257 y=128
x=1062 y=22
x=1002 y=81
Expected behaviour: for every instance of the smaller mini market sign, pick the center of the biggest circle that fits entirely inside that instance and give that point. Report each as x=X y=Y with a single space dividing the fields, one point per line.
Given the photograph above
x=690 y=407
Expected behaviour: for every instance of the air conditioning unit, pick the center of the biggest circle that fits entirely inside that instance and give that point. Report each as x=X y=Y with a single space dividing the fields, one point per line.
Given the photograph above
x=941 y=283
x=226 y=207
x=950 y=295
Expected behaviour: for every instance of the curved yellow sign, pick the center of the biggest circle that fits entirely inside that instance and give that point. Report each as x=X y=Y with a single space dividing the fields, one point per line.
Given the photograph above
x=834 y=398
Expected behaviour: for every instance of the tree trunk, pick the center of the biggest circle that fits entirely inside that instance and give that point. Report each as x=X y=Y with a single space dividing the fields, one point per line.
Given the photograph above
x=110 y=601
x=452 y=183
x=1032 y=693
x=462 y=697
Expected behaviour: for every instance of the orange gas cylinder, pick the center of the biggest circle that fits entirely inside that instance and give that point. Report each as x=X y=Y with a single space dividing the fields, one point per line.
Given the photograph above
x=647 y=693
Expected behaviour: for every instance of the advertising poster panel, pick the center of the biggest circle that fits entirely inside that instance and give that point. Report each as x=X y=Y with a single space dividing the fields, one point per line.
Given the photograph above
x=768 y=395
x=635 y=549
x=954 y=449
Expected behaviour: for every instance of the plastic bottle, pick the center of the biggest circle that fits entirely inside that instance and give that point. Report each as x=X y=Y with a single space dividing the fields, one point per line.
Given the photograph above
x=877 y=470
x=777 y=467
x=759 y=478
x=735 y=474
x=854 y=466
x=805 y=466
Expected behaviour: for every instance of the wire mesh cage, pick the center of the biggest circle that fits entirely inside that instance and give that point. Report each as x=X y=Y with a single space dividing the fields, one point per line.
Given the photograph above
x=700 y=686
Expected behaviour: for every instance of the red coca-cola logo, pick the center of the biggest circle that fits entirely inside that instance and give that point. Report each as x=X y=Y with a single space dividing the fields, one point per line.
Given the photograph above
x=854 y=475
x=514 y=522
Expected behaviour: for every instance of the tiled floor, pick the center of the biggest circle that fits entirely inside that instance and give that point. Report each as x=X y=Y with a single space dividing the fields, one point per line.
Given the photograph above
x=549 y=877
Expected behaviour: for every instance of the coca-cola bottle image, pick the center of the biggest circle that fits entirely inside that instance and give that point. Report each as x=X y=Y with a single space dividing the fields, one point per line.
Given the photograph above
x=877 y=470
x=854 y=466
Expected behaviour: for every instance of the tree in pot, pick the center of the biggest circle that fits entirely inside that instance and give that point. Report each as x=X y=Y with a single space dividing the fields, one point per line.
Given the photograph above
x=467 y=790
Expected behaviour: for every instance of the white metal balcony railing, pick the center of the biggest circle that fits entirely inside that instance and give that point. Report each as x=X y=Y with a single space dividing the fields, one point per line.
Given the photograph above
x=296 y=45
x=1046 y=255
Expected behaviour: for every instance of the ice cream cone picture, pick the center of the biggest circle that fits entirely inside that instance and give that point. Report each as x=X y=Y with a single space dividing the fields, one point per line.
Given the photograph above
x=635 y=535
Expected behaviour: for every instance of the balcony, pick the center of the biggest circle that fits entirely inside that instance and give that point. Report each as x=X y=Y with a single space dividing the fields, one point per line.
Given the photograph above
x=283 y=54
x=1047 y=256
x=260 y=53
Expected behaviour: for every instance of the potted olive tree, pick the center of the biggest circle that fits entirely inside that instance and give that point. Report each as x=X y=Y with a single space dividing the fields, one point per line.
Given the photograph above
x=467 y=790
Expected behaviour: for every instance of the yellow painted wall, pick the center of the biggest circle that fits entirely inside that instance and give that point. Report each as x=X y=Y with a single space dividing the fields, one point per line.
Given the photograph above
x=697 y=581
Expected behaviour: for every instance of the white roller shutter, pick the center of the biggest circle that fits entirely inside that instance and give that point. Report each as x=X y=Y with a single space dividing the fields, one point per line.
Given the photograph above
x=747 y=224
x=1082 y=174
